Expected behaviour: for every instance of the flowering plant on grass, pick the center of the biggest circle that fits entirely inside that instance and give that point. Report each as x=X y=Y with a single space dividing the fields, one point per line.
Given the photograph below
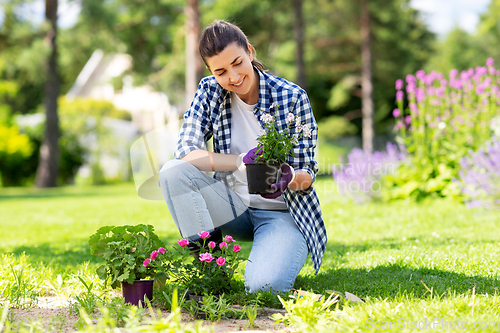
x=479 y=178
x=124 y=248
x=440 y=120
x=362 y=176
x=277 y=143
x=209 y=272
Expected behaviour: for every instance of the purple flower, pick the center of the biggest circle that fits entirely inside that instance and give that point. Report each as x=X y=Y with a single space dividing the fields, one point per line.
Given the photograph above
x=489 y=62
x=361 y=176
x=396 y=113
x=440 y=92
x=407 y=119
x=410 y=78
x=410 y=88
x=453 y=73
x=444 y=83
x=480 y=89
x=413 y=107
x=420 y=95
x=399 y=84
x=420 y=75
x=399 y=95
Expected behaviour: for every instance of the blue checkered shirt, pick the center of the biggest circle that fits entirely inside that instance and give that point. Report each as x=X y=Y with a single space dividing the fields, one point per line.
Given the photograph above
x=210 y=116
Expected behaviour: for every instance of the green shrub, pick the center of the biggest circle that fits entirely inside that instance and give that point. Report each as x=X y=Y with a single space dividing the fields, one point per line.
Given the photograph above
x=334 y=127
x=15 y=148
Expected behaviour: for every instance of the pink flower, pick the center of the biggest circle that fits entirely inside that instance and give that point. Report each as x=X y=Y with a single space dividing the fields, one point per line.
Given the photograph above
x=489 y=62
x=420 y=75
x=453 y=73
x=396 y=113
x=133 y=249
x=204 y=234
x=223 y=245
x=183 y=242
x=206 y=257
x=221 y=261
x=161 y=250
x=236 y=248
x=399 y=84
x=410 y=78
x=407 y=119
x=154 y=254
x=399 y=95
x=146 y=262
x=211 y=245
x=229 y=239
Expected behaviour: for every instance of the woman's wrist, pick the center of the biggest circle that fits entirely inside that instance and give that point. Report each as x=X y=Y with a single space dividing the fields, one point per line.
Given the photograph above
x=302 y=181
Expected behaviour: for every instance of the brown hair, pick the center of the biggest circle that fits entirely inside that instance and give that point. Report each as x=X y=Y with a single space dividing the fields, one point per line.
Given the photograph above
x=220 y=34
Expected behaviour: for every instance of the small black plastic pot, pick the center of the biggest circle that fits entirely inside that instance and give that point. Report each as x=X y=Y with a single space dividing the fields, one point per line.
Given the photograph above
x=260 y=176
x=134 y=293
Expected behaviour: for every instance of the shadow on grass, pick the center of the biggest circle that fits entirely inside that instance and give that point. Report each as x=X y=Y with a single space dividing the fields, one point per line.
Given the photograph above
x=393 y=281
x=60 y=257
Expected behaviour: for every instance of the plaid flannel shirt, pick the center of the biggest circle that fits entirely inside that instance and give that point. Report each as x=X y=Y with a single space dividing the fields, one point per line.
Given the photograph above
x=210 y=116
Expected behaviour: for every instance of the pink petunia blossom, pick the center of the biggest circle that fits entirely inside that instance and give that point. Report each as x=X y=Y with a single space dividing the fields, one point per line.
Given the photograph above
x=228 y=239
x=204 y=234
x=223 y=245
x=161 y=250
x=221 y=261
x=183 y=242
x=236 y=248
x=211 y=245
x=206 y=257
x=154 y=254
x=146 y=262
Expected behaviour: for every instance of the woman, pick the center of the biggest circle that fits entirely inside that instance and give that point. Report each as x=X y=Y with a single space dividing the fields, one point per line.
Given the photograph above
x=284 y=226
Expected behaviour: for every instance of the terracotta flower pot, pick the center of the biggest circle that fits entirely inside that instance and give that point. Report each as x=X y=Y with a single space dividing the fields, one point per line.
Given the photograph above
x=134 y=293
x=260 y=176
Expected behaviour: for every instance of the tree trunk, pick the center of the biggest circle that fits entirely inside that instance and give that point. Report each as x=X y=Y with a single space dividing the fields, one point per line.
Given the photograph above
x=194 y=67
x=366 y=79
x=299 y=41
x=48 y=167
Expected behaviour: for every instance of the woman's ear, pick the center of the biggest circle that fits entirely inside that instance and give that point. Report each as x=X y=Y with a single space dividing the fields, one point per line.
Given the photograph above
x=250 y=53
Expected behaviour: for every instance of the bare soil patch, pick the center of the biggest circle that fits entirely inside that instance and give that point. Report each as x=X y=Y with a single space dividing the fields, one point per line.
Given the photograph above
x=54 y=314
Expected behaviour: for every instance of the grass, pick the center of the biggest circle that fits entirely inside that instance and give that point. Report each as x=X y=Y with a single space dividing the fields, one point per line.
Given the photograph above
x=409 y=261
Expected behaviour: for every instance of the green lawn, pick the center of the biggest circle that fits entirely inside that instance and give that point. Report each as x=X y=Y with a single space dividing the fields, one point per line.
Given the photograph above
x=411 y=261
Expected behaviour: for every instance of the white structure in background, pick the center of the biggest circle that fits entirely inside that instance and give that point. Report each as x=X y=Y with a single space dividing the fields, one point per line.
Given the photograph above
x=150 y=110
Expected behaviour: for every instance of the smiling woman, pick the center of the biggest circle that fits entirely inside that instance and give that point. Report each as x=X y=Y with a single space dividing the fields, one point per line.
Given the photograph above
x=231 y=107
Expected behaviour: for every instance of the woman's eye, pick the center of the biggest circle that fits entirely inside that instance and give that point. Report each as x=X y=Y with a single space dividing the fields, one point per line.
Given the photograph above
x=220 y=74
x=239 y=63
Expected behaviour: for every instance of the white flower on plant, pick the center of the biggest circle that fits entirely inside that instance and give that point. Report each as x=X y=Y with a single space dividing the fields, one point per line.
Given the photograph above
x=442 y=125
x=290 y=117
x=297 y=124
x=295 y=140
x=274 y=105
x=267 y=118
x=306 y=131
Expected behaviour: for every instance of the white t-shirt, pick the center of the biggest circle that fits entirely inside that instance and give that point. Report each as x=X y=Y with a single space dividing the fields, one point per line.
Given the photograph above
x=245 y=129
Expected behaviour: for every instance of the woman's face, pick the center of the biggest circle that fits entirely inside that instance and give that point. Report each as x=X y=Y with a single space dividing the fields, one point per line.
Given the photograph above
x=233 y=70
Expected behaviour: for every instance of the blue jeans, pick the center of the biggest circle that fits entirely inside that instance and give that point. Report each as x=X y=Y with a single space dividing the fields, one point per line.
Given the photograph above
x=198 y=203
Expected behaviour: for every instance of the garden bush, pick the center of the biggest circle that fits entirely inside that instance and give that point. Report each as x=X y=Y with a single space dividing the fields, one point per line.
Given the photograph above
x=439 y=121
x=360 y=178
x=479 y=178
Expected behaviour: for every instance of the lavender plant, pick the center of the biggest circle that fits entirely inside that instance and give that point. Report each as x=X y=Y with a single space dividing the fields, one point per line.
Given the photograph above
x=443 y=120
x=479 y=179
x=361 y=177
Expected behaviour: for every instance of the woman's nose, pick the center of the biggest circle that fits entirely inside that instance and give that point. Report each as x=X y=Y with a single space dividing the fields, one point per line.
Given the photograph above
x=233 y=76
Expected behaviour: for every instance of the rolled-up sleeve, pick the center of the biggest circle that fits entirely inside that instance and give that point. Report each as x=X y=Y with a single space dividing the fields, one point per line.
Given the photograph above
x=197 y=127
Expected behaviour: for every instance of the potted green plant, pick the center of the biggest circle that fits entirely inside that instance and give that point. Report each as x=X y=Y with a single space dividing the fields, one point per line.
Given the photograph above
x=273 y=149
x=127 y=250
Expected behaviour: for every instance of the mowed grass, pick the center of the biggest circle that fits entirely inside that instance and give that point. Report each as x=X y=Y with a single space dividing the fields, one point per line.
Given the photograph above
x=409 y=261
